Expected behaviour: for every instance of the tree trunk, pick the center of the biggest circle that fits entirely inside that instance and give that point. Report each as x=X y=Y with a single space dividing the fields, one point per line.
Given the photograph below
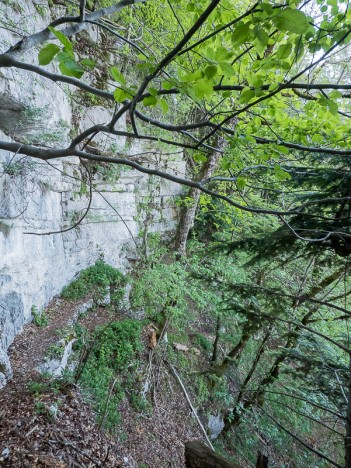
x=188 y=212
x=262 y=460
x=233 y=421
x=233 y=355
x=348 y=423
x=215 y=344
x=258 y=398
x=198 y=455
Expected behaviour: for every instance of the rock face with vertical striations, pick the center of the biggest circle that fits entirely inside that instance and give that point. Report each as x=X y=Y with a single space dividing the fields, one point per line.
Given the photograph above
x=37 y=197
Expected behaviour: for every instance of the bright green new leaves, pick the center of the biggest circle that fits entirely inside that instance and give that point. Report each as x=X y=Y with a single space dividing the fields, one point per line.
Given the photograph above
x=200 y=157
x=64 y=55
x=246 y=95
x=294 y=21
x=261 y=35
x=210 y=71
x=227 y=69
x=280 y=173
x=150 y=101
x=240 y=182
x=47 y=54
x=331 y=105
x=69 y=66
x=164 y=105
x=117 y=76
x=284 y=51
x=122 y=93
x=62 y=38
x=88 y=63
x=241 y=34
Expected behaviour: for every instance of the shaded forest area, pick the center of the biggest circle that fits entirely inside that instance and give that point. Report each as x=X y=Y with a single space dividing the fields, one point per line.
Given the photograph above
x=248 y=306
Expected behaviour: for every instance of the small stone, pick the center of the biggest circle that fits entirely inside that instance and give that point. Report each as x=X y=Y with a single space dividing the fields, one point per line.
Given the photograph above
x=215 y=426
x=5 y=453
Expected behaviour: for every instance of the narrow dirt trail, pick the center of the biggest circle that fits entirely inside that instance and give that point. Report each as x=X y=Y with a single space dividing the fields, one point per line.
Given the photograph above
x=47 y=424
x=44 y=424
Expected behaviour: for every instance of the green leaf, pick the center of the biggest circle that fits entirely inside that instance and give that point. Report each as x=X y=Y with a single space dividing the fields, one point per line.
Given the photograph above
x=167 y=85
x=190 y=7
x=71 y=68
x=225 y=163
x=246 y=95
x=47 y=53
x=280 y=173
x=200 y=157
x=221 y=53
x=261 y=35
x=290 y=20
x=164 y=105
x=227 y=69
x=64 y=56
x=273 y=87
x=283 y=149
x=150 y=101
x=332 y=106
x=335 y=94
x=153 y=91
x=267 y=8
x=117 y=76
x=203 y=88
x=120 y=95
x=210 y=71
x=88 y=63
x=284 y=51
x=240 y=34
x=240 y=182
x=62 y=38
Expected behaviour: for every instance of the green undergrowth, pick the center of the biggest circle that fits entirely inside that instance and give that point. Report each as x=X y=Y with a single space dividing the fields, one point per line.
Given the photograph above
x=40 y=318
x=96 y=281
x=110 y=372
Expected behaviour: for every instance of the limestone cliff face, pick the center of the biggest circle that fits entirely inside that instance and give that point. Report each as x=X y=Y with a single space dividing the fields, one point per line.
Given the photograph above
x=37 y=197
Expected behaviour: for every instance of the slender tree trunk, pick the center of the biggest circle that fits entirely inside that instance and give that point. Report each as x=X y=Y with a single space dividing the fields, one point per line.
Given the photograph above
x=292 y=338
x=348 y=423
x=188 y=213
x=215 y=344
x=233 y=355
x=236 y=420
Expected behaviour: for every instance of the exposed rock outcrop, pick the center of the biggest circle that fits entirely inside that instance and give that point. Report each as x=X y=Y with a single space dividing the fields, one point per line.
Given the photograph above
x=38 y=197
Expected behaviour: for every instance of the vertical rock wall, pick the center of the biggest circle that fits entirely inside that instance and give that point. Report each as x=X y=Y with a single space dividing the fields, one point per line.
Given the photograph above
x=37 y=198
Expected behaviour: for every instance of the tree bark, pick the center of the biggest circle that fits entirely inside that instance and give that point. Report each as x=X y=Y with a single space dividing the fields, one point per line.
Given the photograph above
x=215 y=344
x=348 y=423
x=188 y=212
x=292 y=337
x=198 y=455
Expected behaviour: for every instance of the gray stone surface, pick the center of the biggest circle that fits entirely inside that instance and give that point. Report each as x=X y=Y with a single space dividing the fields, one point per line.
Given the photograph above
x=39 y=197
x=215 y=425
x=57 y=365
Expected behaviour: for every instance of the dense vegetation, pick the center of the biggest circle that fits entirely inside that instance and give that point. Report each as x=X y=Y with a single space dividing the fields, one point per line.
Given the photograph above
x=256 y=94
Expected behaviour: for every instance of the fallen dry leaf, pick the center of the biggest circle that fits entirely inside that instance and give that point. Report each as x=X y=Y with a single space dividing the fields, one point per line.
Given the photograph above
x=180 y=347
x=152 y=339
x=53 y=462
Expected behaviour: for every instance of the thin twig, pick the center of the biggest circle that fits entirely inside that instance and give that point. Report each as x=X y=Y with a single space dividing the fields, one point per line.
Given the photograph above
x=175 y=373
x=107 y=403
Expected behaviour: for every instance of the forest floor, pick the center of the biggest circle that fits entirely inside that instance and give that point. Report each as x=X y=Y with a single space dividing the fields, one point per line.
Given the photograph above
x=49 y=423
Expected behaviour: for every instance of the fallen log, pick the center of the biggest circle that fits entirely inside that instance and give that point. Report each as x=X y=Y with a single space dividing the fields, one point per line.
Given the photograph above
x=198 y=455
